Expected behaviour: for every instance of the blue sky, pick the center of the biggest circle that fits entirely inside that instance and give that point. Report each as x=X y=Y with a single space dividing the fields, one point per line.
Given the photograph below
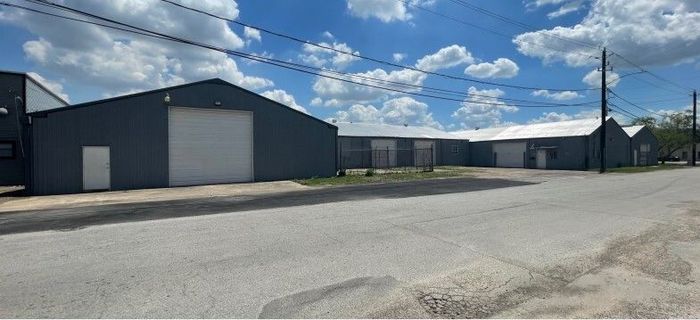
x=85 y=62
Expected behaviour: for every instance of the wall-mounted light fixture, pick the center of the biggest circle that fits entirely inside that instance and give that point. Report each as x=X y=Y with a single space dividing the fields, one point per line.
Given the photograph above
x=3 y=111
x=217 y=103
x=167 y=98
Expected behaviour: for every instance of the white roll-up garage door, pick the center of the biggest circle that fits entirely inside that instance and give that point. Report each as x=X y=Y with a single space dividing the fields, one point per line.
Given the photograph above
x=510 y=154
x=209 y=146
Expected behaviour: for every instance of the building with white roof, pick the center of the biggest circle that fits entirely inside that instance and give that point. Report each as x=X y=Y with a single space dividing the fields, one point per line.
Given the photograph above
x=370 y=145
x=564 y=145
x=644 y=147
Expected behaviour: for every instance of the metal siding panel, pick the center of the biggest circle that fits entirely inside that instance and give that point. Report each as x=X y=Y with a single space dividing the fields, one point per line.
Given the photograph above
x=11 y=170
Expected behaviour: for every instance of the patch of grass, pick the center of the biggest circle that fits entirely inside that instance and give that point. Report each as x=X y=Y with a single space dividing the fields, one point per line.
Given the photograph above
x=646 y=169
x=386 y=177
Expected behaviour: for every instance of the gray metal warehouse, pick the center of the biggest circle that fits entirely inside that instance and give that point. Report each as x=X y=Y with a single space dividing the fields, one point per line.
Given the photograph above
x=366 y=145
x=21 y=94
x=565 y=145
x=644 y=147
x=206 y=132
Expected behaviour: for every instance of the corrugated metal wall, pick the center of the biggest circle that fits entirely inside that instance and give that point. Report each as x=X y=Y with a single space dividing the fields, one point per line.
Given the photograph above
x=287 y=144
x=617 y=145
x=11 y=170
x=645 y=136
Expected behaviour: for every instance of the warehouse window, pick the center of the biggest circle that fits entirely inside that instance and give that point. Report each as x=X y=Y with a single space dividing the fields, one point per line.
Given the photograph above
x=7 y=150
x=645 y=148
x=455 y=148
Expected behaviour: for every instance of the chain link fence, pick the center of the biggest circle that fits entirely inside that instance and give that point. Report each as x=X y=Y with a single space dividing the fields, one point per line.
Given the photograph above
x=388 y=159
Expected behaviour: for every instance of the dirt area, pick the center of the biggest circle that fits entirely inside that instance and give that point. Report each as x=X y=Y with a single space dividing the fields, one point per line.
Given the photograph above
x=652 y=275
x=10 y=200
x=528 y=175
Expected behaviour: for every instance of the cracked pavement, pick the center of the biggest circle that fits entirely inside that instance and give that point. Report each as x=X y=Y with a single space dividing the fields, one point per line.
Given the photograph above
x=591 y=246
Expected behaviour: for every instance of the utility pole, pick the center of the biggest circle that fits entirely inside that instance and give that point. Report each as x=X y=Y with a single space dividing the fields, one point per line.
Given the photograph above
x=695 y=120
x=603 y=110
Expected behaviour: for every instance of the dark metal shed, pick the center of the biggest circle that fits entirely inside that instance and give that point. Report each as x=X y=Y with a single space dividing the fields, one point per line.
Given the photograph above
x=644 y=147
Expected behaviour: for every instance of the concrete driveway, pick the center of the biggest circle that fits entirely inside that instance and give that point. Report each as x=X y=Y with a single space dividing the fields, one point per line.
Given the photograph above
x=596 y=246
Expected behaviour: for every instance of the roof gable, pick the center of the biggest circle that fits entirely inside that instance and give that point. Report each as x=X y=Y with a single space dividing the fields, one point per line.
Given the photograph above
x=632 y=130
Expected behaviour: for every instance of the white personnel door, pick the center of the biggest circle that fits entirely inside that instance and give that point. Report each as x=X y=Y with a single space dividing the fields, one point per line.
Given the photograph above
x=96 y=168
x=383 y=153
x=542 y=159
x=510 y=154
x=210 y=146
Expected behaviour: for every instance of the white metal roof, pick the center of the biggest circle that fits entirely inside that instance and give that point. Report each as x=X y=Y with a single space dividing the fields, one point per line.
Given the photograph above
x=633 y=130
x=479 y=134
x=347 y=129
x=572 y=128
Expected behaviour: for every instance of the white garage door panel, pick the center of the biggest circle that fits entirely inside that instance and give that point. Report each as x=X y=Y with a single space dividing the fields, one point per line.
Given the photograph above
x=510 y=155
x=210 y=146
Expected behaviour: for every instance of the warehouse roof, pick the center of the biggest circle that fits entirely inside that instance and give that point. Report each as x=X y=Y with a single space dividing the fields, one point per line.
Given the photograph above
x=349 y=129
x=633 y=130
x=572 y=128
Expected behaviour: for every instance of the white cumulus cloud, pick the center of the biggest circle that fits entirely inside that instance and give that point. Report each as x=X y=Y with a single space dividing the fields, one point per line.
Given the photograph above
x=482 y=109
x=284 y=98
x=594 y=79
x=345 y=93
x=123 y=62
x=559 y=95
x=500 y=68
x=398 y=111
x=444 y=58
x=398 y=57
x=647 y=32
x=252 y=33
x=322 y=57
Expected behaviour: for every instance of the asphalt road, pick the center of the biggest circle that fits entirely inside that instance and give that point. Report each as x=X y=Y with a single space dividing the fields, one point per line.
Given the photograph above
x=594 y=246
x=81 y=217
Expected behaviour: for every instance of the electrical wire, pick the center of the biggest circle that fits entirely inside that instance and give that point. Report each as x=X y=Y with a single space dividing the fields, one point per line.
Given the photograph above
x=287 y=65
x=633 y=104
x=357 y=55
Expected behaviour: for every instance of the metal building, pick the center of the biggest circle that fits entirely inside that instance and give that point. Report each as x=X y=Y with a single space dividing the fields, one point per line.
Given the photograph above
x=365 y=145
x=20 y=94
x=205 y=132
x=565 y=145
x=644 y=147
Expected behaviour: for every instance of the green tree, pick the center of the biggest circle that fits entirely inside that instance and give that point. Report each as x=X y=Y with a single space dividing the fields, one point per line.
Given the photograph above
x=645 y=121
x=673 y=132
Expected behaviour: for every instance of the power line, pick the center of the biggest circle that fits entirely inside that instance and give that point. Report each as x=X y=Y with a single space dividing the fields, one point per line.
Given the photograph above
x=357 y=55
x=525 y=26
x=685 y=89
x=634 y=104
x=520 y=24
x=510 y=37
x=283 y=64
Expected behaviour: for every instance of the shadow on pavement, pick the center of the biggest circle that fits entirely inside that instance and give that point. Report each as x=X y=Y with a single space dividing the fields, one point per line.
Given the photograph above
x=76 y=218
